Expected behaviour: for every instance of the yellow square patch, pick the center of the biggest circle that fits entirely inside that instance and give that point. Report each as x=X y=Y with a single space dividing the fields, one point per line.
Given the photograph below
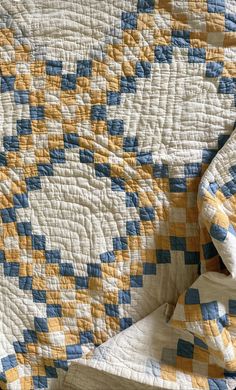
x=162 y=37
x=36 y=98
x=131 y=37
x=201 y=355
x=198 y=39
x=22 y=81
x=95 y=284
x=179 y=21
x=115 y=52
x=168 y=372
x=68 y=97
x=7 y=68
x=199 y=382
x=215 y=22
x=37 y=68
x=193 y=313
x=97 y=310
x=6 y=37
x=184 y=364
x=53 y=82
x=53 y=111
x=145 y=21
x=11 y=375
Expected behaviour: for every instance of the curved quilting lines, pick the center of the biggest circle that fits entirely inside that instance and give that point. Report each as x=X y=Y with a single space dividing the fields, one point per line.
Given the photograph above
x=148 y=157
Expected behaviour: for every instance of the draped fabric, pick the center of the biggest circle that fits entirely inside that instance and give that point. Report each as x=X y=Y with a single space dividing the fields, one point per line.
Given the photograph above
x=117 y=186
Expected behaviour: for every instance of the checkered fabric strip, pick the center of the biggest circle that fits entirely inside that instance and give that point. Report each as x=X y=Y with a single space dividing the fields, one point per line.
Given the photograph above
x=51 y=106
x=210 y=320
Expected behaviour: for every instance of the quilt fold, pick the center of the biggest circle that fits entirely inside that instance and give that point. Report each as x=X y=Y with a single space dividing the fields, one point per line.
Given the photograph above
x=117 y=194
x=203 y=322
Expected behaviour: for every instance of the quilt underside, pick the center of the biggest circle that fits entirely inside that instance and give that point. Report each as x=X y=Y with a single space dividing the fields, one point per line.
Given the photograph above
x=117 y=194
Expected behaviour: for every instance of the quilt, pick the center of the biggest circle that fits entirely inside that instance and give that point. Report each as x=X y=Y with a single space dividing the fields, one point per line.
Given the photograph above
x=117 y=194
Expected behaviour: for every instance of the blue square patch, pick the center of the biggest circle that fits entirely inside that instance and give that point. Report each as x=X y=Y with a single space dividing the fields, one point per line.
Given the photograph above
x=23 y=126
x=33 y=183
x=185 y=349
x=81 y=282
x=71 y=140
x=209 y=310
x=112 y=310
x=57 y=156
x=20 y=201
x=147 y=213
x=39 y=296
x=11 y=269
x=66 y=269
x=11 y=143
x=146 y=6
x=41 y=324
x=45 y=169
x=227 y=85
x=68 y=82
x=129 y=20
x=115 y=127
x=143 y=69
x=125 y=323
x=124 y=297
x=214 y=69
x=53 y=256
x=216 y=6
x=178 y=185
x=132 y=199
x=84 y=68
x=192 y=297
x=54 y=310
x=73 y=351
x=107 y=257
x=133 y=228
x=160 y=170
x=103 y=170
x=197 y=55
x=86 y=337
x=24 y=228
x=163 y=54
x=53 y=68
x=7 y=83
x=191 y=257
x=127 y=84
x=94 y=270
x=9 y=362
x=86 y=156
x=117 y=184
x=177 y=243
x=25 y=282
x=232 y=307
x=130 y=144
x=136 y=281
x=230 y=22
x=120 y=243
x=181 y=38
x=209 y=250
x=21 y=97
x=37 y=112
x=149 y=269
x=163 y=256
x=8 y=215
x=98 y=113
x=40 y=382
x=113 y=98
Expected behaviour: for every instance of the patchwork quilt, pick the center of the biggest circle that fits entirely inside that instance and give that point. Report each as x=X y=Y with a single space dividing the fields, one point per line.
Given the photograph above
x=117 y=194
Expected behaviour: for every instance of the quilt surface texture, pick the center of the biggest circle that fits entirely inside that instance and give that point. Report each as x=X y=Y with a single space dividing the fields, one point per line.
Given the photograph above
x=117 y=194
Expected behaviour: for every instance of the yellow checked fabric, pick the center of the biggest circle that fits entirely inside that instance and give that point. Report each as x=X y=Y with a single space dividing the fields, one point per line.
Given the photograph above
x=110 y=114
